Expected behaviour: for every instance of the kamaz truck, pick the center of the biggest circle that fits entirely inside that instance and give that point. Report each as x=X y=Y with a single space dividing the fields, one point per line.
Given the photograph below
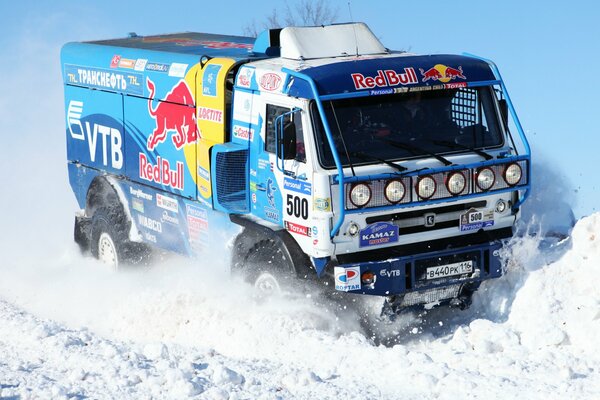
x=316 y=153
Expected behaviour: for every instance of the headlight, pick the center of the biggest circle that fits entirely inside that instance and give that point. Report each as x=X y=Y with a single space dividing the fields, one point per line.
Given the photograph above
x=360 y=194
x=394 y=191
x=485 y=178
x=513 y=174
x=456 y=183
x=426 y=187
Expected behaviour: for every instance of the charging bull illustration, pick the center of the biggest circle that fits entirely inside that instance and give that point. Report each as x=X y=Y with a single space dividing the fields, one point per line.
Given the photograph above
x=171 y=115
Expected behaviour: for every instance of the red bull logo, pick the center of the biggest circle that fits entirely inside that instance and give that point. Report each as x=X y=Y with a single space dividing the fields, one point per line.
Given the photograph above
x=172 y=116
x=161 y=172
x=442 y=73
x=385 y=78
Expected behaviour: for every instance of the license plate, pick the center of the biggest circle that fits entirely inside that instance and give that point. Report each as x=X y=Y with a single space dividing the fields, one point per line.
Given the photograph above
x=442 y=271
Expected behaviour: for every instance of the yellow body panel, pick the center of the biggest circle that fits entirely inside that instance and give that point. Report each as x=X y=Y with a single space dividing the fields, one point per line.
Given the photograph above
x=210 y=113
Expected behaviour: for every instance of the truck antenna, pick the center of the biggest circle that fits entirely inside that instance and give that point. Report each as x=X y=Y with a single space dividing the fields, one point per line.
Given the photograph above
x=353 y=27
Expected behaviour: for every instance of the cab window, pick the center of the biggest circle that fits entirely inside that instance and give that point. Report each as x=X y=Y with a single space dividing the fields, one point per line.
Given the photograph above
x=273 y=112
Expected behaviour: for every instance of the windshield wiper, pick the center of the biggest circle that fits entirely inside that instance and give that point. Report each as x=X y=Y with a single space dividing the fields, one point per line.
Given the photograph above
x=453 y=145
x=414 y=149
x=366 y=157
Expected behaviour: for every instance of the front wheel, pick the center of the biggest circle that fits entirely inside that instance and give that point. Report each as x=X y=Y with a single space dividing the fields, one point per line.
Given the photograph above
x=266 y=267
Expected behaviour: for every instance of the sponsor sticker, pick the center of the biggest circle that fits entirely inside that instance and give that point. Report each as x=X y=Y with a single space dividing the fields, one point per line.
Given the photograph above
x=210 y=114
x=209 y=80
x=137 y=205
x=245 y=77
x=149 y=223
x=347 y=278
x=127 y=63
x=114 y=62
x=271 y=189
x=442 y=73
x=322 y=204
x=161 y=172
x=177 y=70
x=203 y=173
x=99 y=78
x=197 y=220
x=272 y=214
x=167 y=203
x=140 y=194
x=476 y=219
x=297 y=228
x=377 y=234
x=270 y=81
x=140 y=64
x=297 y=186
x=385 y=78
x=157 y=67
x=242 y=132
x=168 y=218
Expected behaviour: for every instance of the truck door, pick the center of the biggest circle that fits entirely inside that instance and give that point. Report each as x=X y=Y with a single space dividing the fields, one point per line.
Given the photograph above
x=281 y=189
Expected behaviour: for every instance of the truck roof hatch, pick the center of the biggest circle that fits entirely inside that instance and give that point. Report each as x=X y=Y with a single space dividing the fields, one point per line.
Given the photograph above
x=303 y=43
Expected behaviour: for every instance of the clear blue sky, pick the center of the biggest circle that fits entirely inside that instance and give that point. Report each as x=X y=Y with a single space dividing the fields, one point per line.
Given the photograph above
x=548 y=53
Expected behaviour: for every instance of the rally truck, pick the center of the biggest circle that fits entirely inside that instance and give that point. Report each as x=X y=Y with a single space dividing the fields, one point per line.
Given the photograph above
x=317 y=153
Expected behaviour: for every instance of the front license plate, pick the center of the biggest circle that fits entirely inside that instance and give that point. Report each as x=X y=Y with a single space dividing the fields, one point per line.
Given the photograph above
x=463 y=267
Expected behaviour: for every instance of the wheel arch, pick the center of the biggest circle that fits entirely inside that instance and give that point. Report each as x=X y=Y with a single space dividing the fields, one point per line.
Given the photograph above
x=254 y=232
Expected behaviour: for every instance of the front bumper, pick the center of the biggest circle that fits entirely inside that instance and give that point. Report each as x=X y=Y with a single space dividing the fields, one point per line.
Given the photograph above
x=408 y=274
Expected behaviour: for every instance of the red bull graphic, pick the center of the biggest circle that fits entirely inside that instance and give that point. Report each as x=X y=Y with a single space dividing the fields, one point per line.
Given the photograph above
x=442 y=73
x=385 y=78
x=161 y=172
x=171 y=115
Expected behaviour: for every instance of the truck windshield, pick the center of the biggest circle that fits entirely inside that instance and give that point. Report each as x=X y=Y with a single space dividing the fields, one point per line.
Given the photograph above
x=427 y=122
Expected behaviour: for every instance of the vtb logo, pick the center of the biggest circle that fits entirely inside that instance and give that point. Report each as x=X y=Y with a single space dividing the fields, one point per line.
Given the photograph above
x=111 y=141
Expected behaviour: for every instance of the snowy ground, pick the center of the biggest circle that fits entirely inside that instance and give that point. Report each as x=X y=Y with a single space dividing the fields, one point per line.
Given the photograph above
x=70 y=329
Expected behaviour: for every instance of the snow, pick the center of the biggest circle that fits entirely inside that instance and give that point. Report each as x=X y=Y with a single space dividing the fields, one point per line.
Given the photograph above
x=70 y=329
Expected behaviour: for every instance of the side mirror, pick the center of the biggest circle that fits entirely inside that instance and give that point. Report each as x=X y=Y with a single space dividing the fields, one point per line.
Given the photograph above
x=504 y=111
x=285 y=132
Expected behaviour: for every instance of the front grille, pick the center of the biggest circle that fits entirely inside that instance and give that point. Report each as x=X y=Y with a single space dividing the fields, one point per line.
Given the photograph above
x=415 y=221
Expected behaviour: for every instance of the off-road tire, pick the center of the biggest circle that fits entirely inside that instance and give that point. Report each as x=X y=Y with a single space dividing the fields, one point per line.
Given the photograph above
x=112 y=221
x=266 y=257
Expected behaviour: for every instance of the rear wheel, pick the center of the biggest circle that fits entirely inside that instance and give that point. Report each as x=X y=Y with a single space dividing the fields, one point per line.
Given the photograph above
x=110 y=239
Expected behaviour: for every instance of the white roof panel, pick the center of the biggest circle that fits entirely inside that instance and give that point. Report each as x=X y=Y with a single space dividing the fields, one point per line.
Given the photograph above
x=329 y=41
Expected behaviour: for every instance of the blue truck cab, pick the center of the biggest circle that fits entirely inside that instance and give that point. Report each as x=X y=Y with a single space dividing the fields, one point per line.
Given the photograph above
x=316 y=152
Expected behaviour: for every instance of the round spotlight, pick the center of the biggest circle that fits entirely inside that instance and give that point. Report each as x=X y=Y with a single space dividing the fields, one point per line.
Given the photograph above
x=456 y=183
x=360 y=194
x=426 y=187
x=353 y=229
x=394 y=191
x=501 y=206
x=513 y=174
x=485 y=178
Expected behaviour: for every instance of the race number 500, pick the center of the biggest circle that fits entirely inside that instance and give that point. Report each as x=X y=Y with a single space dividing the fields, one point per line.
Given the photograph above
x=297 y=207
